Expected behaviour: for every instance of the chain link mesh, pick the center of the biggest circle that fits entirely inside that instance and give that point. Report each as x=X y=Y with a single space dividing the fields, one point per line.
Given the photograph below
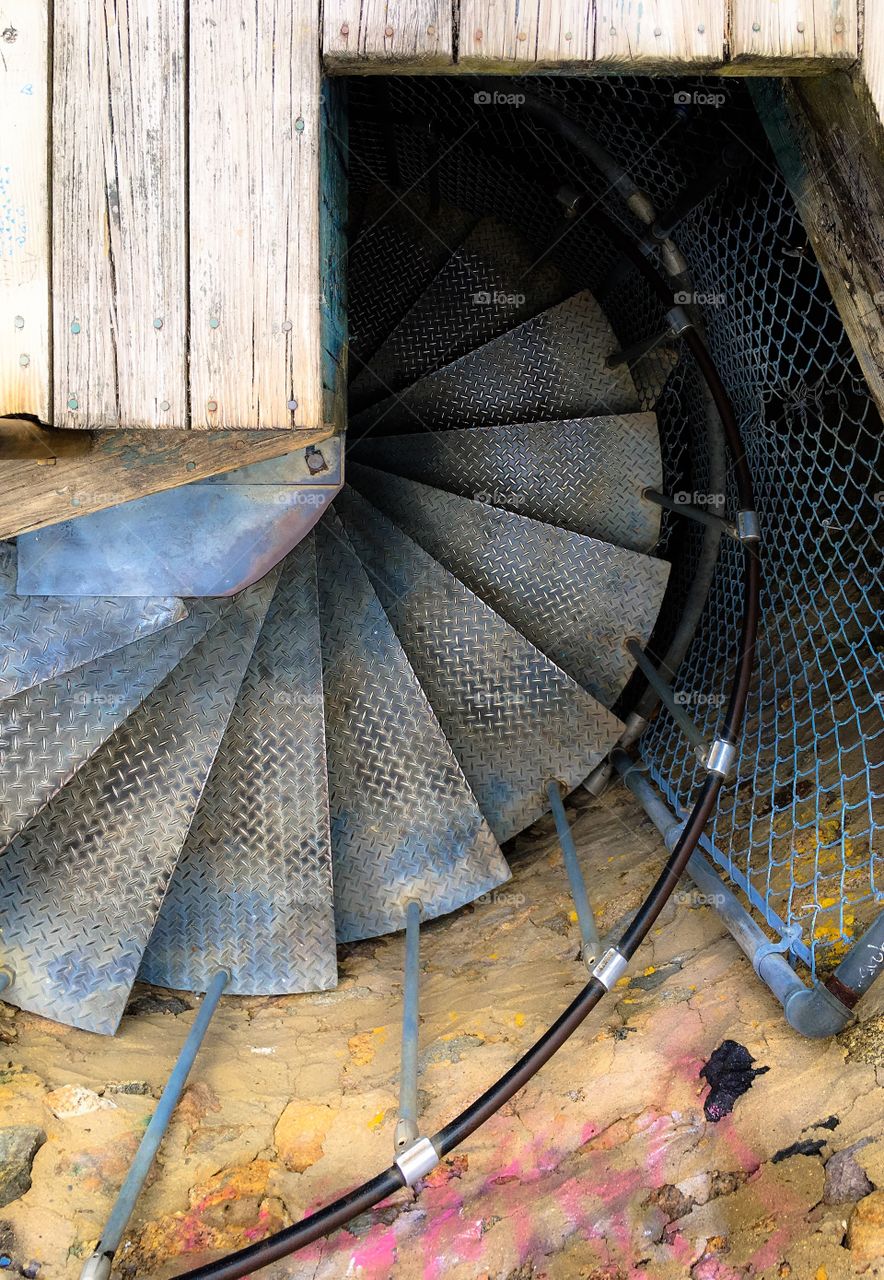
x=798 y=829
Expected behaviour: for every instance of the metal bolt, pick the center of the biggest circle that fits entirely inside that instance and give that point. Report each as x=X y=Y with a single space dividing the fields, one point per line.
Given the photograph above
x=345 y=30
x=158 y=323
x=19 y=322
x=568 y=35
x=388 y=31
x=165 y=406
x=73 y=403
x=190 y=466
x=286 y=326
x=701 y=28
x=756 y=26
x=658 y=31
x=431 y=30
x=75 y=327
x=613 y=31
x=293 y=404
x=299 y=125
x=212 y=406
x=214 y=322
x=800 y=26
x=24 y=361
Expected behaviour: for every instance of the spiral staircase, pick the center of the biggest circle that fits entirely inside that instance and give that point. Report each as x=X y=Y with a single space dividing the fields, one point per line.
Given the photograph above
x=245 y=782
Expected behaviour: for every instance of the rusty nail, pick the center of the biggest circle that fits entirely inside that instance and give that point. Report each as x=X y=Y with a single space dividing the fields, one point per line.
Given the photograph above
x=523 y=35
x=388 y=31
x=345 y=30
x=431 y=30
x=479 y=34
x=212 y=406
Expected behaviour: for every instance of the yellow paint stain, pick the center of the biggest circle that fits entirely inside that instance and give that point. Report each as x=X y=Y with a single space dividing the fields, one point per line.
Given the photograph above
x=377 y=1120
x=362 y=1046
x=519 y=1019
x=650 y=969
x=572 y=916
x=622 y=982
x=493 y=956
x=821 y=1274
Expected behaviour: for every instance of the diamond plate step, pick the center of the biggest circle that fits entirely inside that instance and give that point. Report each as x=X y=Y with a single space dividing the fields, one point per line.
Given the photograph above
x=552 y=366
x=575 y=598
x=491 y=283
x=404 y=822
x=83 y=882
x=253 y=883
x=395 y=250
x=49 y=731
x=586 y=474
x=44 y=636
x=513 y=719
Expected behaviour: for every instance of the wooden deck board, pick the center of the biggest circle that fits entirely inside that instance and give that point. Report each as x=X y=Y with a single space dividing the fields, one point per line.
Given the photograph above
x=792 y=34
x=361 y=34
x=24 y=208
x=254 y=211
x=659 y=35
x=118 y=214
x=528 y=37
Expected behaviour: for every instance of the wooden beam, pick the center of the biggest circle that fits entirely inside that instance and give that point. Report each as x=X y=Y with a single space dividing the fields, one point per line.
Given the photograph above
x=527 y=36
x=829 y=144
x=59 y=480
x=254 y=210
x=387 y=35
x=647 y=36
x=791 y=36
x=118 y=214
x=24 y=208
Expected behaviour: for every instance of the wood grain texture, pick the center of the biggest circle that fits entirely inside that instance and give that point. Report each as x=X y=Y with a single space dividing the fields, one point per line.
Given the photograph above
x=532 y=34
x=372 y=35
x=254 y=211
x=790 y=34
x=829 y=144
x=119 y=314
x=24 y=208
x=872 y=66
x=660 y=35
x=60 y=480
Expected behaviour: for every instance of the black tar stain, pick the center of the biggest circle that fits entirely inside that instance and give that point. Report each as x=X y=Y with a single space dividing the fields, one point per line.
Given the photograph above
x=729 y=1074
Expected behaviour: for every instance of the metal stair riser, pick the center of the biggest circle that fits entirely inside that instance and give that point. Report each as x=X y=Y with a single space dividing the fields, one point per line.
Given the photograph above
x=576 y=599
x=552 y=366
x=254 y=882
x=49 y=731
x=404 y=822
x=491 y=283
x=513 y=719
x=45 y=636
x=586 y=475
x=83 y=883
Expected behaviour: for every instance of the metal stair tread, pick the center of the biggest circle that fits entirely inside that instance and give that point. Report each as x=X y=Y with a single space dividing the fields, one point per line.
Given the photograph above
x=253 y=883
x=83 y=882
x=575 y=598
x=44 y=636
x=491 y=282
x=582 y=474
x=49 y=731
x=404 y=822
x=551 y=366
x=513 y=718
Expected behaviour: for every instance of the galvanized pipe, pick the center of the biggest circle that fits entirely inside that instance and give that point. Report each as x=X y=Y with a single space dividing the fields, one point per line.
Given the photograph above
x=814 y=1011
x=666 y=695
x=589 y=935
x=98 y=1266
x=406 y=1124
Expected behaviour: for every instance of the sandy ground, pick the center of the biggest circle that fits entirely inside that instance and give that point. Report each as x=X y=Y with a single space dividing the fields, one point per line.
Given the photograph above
x=603 y=1168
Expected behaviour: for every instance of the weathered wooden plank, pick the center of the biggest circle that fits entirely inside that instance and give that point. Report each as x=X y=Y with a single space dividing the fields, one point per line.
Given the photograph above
x=333 y=209
x=55 y=478
x=24 y=208
x=497 y=36
x=872 y=67
x=660 y=35
x=118 y=214
x=792 y=35
x=254 y=209
x=830 y=147
x=373 y=35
